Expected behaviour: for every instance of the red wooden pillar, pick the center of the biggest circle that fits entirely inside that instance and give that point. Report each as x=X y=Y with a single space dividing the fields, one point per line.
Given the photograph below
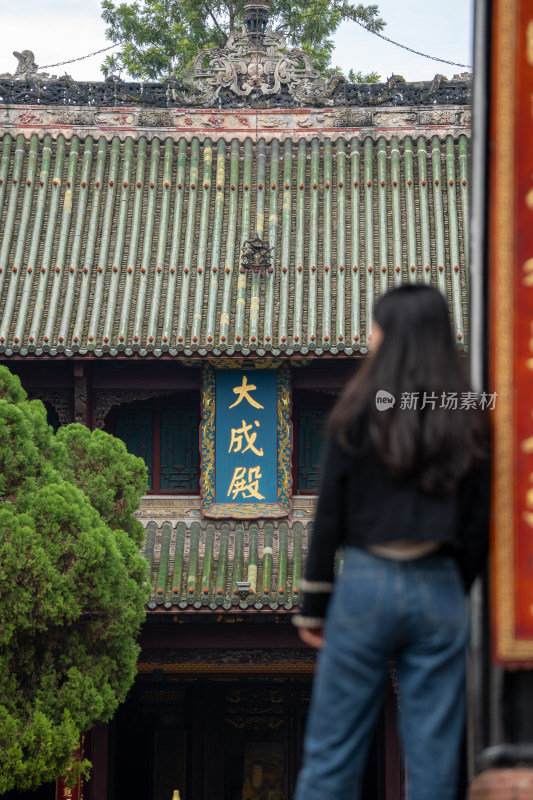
x=509 y=234
x=511 y=329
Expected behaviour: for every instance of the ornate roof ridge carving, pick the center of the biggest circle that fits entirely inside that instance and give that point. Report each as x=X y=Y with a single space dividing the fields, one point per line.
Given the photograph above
x=254 y=70
x=257 y=66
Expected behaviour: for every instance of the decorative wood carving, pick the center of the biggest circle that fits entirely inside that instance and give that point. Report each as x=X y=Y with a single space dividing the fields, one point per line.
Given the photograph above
x=81 y=400
x=61 y=402
x=104 y=401
x=217 y=660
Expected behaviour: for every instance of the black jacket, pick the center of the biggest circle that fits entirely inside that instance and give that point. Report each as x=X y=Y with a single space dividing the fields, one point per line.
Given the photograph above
x=359 y=504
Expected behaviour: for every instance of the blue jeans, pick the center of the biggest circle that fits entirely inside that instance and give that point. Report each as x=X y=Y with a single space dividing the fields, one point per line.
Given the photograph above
x=415 y=613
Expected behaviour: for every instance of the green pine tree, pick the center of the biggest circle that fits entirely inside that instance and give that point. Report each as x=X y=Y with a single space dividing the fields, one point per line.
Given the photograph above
x=160 y=38
x=73 y=586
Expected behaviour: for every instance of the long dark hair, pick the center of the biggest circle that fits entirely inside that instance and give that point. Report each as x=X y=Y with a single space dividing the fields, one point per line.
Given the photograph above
x=417 y=358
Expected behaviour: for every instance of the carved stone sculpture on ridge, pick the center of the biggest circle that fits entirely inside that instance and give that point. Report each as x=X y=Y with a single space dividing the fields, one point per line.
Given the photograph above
x=255 y=64
x=27 y=68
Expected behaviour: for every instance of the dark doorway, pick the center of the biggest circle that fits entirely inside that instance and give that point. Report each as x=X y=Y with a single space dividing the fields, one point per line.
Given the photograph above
x=225 y=739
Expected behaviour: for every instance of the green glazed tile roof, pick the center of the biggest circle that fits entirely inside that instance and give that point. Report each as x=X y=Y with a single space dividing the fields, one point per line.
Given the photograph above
x=112 y=247
x=198 y=565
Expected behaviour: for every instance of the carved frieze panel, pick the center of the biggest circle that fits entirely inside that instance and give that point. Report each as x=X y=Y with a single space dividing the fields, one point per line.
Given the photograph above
x=60 y=401
x=395 y=119
x=238 y=124
x=217 y=660
x=104 y=401
x=156 y=119
x=81 y=400
x=440 y=116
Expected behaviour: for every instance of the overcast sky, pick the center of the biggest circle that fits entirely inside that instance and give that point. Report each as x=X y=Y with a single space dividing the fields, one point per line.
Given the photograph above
x=57 y=30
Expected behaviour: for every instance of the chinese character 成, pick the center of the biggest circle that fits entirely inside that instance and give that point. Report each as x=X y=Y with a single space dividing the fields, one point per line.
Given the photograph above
x=243 y=391
x=248 y=488
x=237 y=435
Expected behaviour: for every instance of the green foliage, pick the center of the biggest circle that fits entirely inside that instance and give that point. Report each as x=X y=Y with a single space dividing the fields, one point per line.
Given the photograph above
x=161 y=37
x=359 y=77
x=112 y=478
x=72 y=586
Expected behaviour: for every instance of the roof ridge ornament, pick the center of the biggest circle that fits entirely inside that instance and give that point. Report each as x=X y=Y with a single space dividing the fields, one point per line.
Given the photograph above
x=27 y=68
x=256 y=255
x=255 y=65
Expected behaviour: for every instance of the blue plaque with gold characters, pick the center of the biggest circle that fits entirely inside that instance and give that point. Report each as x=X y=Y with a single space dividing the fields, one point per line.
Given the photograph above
x=246 y=443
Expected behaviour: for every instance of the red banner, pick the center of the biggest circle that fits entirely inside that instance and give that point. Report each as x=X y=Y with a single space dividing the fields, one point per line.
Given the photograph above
x=79 y=790
x=511 y=328
x=64 y=792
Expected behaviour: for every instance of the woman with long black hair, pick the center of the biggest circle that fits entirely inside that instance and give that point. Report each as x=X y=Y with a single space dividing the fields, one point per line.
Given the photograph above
x=405 y=493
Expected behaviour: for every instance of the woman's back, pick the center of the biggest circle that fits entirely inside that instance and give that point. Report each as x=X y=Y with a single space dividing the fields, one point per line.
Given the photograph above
x=405 y=492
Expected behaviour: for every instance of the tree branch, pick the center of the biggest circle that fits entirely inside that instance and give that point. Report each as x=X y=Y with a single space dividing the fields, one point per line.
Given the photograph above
x=217 y=26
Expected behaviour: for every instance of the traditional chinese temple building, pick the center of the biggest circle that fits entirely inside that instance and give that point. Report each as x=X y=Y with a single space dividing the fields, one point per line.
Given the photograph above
x=192 y=266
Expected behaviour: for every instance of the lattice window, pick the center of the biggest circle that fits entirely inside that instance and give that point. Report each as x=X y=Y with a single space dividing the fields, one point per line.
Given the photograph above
x=135 y=428
x=179 y=464
x=311 y=424
x=167 y=440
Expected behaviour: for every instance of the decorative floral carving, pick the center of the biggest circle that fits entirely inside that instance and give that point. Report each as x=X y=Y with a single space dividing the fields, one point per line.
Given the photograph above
x=115 y=119
x=28 y=117
x=70 y=117
x=438 y=117
x=396 y=119
x=358 y=119
x=274 y=121
x=154 y=119
x=214 y=121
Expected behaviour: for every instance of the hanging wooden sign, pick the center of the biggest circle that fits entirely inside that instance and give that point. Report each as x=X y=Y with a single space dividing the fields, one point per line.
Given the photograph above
x=511 y=327
x=246 y=443
x=64 y=792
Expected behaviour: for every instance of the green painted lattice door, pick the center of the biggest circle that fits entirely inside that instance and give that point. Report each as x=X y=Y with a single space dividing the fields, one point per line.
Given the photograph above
x=179 y=451
x=136 y=431
x=311 y=424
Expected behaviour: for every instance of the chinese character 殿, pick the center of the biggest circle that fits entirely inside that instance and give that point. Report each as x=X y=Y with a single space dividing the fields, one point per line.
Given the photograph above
x=248 y=488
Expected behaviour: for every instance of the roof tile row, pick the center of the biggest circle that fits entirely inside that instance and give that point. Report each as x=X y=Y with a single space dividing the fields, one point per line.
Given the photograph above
x=134 y=247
